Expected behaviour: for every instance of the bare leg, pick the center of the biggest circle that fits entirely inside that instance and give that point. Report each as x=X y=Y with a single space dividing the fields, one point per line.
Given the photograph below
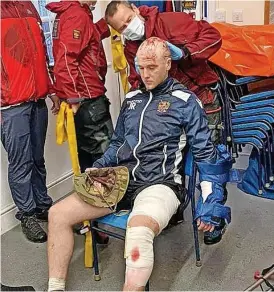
x=62 y=217
x=136 y=221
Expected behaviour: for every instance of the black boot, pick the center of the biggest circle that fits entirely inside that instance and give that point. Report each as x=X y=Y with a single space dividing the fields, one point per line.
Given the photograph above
x=19 y=288
x=31 y=228
x=216 y=235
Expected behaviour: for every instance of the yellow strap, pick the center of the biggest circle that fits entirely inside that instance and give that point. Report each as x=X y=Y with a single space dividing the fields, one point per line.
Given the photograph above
x=65 y=131
x=118 y=58
x=124 y=80
x=61 y=134
x=88 y=248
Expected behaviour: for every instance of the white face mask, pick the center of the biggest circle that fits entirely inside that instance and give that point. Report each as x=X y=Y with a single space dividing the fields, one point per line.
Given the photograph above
x=135 y=30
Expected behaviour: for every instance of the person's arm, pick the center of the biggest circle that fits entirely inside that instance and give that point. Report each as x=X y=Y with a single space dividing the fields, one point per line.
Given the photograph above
x=74 y=37
x=51 y=92
x=102 y=28
x=208 y=42
x=203 y=40
x=213 y=163
x=109 y=158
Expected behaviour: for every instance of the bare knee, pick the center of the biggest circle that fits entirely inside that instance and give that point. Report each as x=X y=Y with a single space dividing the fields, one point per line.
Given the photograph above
x=58 y=216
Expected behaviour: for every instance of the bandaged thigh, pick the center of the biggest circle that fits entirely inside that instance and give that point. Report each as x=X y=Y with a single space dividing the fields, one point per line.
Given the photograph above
x=158 y=202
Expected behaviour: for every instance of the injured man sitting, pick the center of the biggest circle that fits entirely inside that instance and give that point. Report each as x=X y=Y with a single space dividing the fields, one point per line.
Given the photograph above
x=145 y=160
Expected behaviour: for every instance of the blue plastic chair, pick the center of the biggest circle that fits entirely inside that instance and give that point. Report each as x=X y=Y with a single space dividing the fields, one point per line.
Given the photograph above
x=118 y=222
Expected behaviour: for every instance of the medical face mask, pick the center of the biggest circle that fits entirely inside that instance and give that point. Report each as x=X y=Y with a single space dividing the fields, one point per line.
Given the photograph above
x=135 y=30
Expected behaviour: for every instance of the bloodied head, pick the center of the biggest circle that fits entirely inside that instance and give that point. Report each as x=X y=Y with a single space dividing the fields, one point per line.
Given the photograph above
x=154 y=62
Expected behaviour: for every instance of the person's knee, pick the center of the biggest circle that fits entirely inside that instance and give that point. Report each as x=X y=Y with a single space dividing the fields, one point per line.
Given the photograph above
x=139 y=250
x=58 y=216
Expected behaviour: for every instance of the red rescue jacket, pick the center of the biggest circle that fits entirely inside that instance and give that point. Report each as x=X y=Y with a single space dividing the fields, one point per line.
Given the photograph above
x=24 y=71
x=80 y=64
x=198 y=37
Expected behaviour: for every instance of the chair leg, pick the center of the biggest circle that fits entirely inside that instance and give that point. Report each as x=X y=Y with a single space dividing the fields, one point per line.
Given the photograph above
x=147 y=286
x=97 y=276
x=191 y=189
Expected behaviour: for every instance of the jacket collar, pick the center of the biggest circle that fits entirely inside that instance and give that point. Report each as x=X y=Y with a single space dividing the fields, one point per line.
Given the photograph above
x=163 y=87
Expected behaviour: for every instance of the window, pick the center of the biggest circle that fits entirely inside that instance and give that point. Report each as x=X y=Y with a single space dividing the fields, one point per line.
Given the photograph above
x=47 y=23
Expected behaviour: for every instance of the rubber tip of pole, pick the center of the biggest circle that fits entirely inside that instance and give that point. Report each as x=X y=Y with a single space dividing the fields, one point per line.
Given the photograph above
x=97 y=277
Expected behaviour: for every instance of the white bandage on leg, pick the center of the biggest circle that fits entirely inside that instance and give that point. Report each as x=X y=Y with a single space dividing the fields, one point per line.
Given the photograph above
x=158 y=202
x=139 y=255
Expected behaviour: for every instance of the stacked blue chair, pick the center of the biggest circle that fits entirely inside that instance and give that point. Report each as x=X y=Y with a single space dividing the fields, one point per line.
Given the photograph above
x=118 y=222
x=249 y=119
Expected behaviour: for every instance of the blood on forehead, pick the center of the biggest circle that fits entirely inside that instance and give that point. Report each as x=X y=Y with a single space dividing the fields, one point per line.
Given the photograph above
x=153 y=49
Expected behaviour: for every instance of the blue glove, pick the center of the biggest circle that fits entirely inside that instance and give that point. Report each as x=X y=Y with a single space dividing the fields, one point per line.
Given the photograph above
x=136 y=65
x=176 y=53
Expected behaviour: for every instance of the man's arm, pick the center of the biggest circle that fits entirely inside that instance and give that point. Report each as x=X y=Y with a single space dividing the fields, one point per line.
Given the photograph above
x=213 y=163
x=74 y=35
x=203 y=41
x=29 y=5
x=109 y=158
x=102 y=28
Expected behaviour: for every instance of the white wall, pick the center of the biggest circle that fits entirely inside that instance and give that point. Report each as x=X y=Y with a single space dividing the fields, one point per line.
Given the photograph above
x=253 y=10
x=59 y=179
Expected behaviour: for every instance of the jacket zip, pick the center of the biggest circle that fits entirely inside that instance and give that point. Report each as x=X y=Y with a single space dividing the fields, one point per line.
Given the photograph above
x=165 y=159
x=119 y=150
x=140 y=136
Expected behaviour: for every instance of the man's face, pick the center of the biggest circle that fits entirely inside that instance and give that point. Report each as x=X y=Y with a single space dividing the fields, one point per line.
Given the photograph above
x=124 y=15
x=153 y=70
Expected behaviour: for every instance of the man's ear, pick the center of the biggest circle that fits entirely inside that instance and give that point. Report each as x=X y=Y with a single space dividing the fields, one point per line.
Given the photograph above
x=168 y=64
x=135 y=9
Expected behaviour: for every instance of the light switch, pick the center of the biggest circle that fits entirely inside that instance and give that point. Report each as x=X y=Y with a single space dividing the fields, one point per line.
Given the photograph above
x=220 y=15
x=237 y=15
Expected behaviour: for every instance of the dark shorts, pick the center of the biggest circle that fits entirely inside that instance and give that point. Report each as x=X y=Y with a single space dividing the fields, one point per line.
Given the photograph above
x=128 y=200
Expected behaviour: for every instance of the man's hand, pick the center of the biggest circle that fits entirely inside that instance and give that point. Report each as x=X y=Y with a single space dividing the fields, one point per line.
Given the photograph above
x=75 y=107
x=204 y=227
x=176 y=53
x=55 y=104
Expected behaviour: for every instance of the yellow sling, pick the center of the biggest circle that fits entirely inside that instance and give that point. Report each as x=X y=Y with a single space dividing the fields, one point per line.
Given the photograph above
x=118 y=58
x=65 y=131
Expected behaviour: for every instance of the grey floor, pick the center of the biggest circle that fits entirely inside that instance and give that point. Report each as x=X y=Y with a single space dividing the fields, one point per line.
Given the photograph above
x=248 y=245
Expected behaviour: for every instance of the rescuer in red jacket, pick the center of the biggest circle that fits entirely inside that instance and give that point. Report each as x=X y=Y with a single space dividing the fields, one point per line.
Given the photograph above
x=25 y=83
x=197 y=41
x=80 y=69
